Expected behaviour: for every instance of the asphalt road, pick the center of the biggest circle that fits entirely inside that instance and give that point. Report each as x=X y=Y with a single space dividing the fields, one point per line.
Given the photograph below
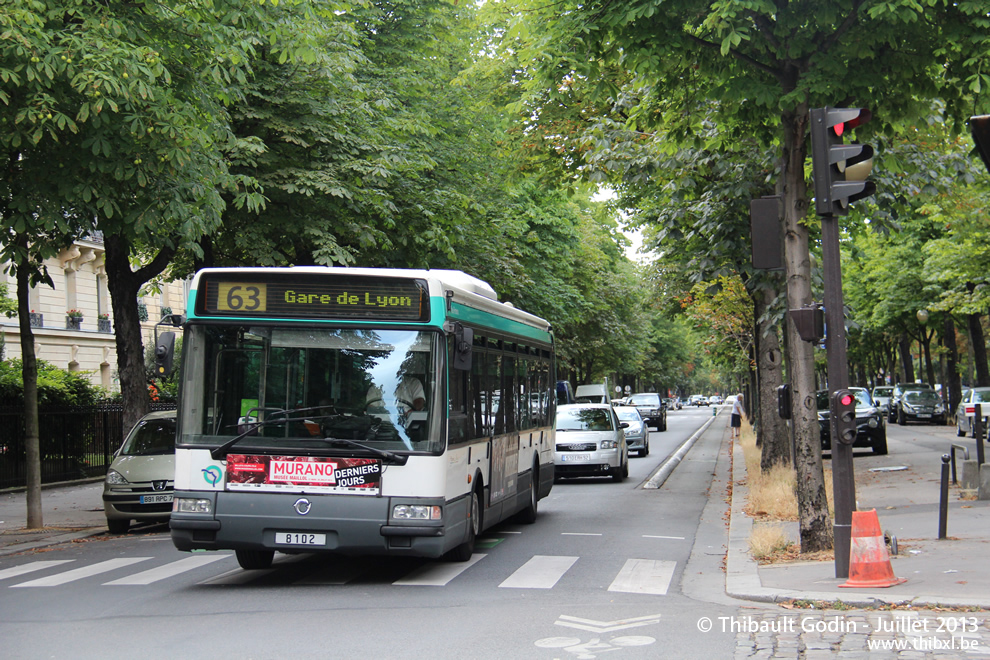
x=608 y=569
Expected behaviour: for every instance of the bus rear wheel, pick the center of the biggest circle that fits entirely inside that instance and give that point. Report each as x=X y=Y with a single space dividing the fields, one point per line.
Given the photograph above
x=528 y=515
x=251 y=560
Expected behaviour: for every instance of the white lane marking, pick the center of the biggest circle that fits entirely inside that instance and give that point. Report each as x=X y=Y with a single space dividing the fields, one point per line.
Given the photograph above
x=508 y=531
x=540 y=572
x=14 y=571
x=80 y=573
x=606 y=626
x=644 y=576
x=439 y=574
x=579 y=534
x=676 y=538
x=169 y=570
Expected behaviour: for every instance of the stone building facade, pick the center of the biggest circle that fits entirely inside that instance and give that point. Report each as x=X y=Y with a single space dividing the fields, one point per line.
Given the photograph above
x=73 y=322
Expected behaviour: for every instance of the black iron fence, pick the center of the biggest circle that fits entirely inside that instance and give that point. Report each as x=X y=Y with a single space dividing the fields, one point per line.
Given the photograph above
x=75 y=442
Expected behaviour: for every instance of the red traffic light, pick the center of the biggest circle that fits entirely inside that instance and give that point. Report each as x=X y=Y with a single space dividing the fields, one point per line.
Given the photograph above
x=846 y=399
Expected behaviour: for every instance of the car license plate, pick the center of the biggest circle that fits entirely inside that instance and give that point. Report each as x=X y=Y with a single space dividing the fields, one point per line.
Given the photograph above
x=924 y=416
x=156 y=499
x=299 y=538
x=576 y=458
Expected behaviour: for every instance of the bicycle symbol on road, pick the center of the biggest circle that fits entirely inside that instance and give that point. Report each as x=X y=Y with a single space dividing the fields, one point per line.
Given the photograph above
x=590 y=649
x=596 y=645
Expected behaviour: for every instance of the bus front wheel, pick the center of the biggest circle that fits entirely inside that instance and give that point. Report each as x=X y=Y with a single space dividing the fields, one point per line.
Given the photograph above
x=464 y=551
x=251 y=560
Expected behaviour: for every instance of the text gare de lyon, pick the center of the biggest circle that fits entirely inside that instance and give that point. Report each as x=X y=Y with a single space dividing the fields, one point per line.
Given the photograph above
x=345 y=298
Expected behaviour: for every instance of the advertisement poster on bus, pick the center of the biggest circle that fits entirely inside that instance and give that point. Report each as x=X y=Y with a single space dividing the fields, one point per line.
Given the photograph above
x=304 y=474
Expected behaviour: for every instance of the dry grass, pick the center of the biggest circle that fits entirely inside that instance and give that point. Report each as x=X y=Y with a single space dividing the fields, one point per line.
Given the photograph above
x=773 y=494
x=772 y=499
x=768 y=541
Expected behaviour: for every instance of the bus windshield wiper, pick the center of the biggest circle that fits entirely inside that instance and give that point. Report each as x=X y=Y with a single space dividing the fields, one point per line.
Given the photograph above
x=221 y=451
x=384 y=454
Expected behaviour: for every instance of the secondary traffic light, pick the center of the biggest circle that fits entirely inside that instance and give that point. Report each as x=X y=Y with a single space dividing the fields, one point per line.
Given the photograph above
x=840 y=169
x=844 y=414
x=784 y=401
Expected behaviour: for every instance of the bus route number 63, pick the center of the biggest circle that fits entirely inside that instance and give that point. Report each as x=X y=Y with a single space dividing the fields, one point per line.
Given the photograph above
x=241 y=297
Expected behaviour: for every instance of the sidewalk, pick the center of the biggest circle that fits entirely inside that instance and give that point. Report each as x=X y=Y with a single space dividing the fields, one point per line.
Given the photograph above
x=68 y=513
x=949 y=573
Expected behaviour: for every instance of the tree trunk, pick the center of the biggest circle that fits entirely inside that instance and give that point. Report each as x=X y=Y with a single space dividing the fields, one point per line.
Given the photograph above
x=772 y=432
x=953 y=384
x=978 y=342
x=926 y=342
x=815 y=525
x=906 y=360
x=124 y=285
x=29 y=374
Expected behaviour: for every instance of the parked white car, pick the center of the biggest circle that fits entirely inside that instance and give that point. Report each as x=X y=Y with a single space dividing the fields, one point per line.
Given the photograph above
x=966 y=410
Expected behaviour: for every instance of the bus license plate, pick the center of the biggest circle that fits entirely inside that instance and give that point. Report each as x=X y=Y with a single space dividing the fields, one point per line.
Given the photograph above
x=156 y=499
x=577 y=458
x=299 y=538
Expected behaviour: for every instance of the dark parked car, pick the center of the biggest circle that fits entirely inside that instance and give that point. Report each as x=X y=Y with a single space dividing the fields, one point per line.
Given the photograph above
x=651 y=408
x=871 y=431
x=920 y=406
x=898 y=392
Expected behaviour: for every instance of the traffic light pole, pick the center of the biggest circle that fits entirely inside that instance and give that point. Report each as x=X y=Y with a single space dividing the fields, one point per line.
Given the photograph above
x=843 y=483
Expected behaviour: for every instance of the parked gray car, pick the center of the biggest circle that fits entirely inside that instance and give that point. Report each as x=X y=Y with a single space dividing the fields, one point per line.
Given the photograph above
x=140 y=481
x=895 y=398
x=966 y=411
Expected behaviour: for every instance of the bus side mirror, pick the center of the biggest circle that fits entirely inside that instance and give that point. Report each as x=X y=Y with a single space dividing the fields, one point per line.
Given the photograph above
x=164 y=352
x=463 y=344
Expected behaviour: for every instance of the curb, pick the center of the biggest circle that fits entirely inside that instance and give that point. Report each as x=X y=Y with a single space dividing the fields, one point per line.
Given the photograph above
x=666 y=468
x=51 y=540
x=742 y=573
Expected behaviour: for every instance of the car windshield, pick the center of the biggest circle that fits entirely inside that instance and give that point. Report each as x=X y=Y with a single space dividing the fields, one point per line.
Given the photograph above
x=310 y=388
x=584 y=419
x=644 y=400
x=981 y=396
x=882 y=391
x=629 y=415
x=922 y=396
x=150 y=437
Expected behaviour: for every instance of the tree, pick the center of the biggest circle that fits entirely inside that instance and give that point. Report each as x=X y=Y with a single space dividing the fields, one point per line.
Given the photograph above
x=762 y=66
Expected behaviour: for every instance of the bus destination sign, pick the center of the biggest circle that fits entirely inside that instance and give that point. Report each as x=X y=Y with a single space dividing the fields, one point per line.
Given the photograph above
x=314 y=296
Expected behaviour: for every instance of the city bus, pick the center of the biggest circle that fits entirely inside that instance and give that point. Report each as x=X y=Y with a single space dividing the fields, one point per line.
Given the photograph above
x=357 y=411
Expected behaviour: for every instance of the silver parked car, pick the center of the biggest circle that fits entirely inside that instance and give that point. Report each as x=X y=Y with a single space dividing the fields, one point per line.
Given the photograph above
x=139 y=483
x=591 y=441
x=966 y=410
x=637 y=433
x=881 y=395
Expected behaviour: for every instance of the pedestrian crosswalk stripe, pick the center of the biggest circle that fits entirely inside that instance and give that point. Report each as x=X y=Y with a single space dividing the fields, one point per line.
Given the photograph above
x=83 y=572
x=14 y=571
x=644 y=576
x=168 y=570
x=540 y=572
x=438 y=574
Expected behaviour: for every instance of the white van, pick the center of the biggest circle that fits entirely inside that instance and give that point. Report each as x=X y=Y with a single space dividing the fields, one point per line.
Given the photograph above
x=595 y=393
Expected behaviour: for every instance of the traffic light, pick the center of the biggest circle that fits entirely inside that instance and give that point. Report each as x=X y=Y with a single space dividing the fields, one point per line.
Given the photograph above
x=784 y=401
x=164 y=351
x=844 y=414
x=809 y=322
x=840 y=169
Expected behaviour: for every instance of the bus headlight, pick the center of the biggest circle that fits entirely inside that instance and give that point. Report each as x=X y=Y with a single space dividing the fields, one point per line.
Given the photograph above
x=192 y=505
x=416 y=512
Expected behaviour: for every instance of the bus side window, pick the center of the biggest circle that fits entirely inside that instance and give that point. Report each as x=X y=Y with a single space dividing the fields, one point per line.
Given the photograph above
x=458 y=394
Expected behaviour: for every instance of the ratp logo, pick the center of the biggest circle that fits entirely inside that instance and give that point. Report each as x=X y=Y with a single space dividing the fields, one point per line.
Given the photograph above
x=212 y=475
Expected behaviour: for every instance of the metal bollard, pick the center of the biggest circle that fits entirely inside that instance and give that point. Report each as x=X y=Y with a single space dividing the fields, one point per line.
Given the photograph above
x=978 y=432
x=943 y=499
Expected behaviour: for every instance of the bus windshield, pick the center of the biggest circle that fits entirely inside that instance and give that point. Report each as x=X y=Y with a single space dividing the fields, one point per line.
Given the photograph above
x=305 y=387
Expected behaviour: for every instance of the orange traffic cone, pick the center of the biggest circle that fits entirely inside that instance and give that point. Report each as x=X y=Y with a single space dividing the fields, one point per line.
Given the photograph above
x=869 y=563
